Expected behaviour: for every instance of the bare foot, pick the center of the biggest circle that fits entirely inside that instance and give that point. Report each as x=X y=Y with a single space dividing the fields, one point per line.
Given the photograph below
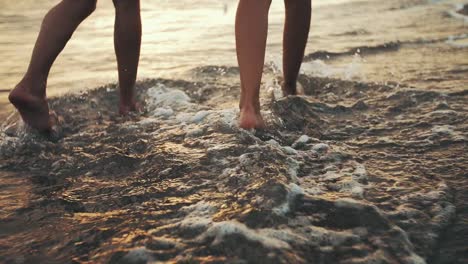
x=126 y=108
x=251 y=119
x=296 y=89
x=33 y=109
x=288 y=89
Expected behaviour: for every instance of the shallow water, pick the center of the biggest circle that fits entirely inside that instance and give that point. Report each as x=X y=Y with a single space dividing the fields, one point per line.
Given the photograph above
x=178 y=35
x=368 y=167
x=375 y=177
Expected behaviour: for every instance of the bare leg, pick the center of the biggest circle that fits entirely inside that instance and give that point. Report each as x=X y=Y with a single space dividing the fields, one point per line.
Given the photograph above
x=127 y=39
x=29 y=96
x=251 y=36
x=296 y=33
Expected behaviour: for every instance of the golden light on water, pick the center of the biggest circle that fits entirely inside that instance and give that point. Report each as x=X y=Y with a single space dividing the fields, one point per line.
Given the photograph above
x=376 y=142
x=181 y=35
x=177 y=35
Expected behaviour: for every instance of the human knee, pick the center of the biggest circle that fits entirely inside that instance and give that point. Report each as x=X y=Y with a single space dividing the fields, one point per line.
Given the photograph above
x=126 y=3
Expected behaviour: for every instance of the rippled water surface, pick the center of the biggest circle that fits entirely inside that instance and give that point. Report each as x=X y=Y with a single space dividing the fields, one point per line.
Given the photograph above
x=178 y=35
x=368 y=167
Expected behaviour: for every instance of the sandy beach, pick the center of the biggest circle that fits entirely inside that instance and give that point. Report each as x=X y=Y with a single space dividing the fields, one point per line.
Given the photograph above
x=370 y=166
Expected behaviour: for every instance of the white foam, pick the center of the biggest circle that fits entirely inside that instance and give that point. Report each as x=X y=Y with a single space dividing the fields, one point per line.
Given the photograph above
x=458 y=41
x=195 y=222
x=285 y=149
x=454 y=13
x=148 y=121
x=274 y=143
x=175 y=104
x=285 y=235
x=161 y=96
x=301 y=141
x=446 y=131
x=360 y=172
x=349 y=179
x=332 y=176
x=443 y=130
x=416 y=259
x=198 y=216
x=194 y=132
x=18 y=128
x=350 y=203
x=138 y=255
x=290 y=151
x=164 y=112
x=445 y=212
x=321 y=147
x=351 y=186
x=293 y=169
x=199 y=209
x=274 y=89
x=200 y=116
x=293 y=192
x=226 y=116
x=247 y=159
x=321 y=69
x=319 y=235
x=219 y=231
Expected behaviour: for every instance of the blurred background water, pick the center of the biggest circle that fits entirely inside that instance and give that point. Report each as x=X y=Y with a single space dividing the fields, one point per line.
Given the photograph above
x=180 y=35
x=111 y=184
x=177 y=35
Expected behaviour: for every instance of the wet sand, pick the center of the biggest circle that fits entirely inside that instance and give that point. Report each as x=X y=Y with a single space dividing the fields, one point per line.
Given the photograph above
x=368 y=167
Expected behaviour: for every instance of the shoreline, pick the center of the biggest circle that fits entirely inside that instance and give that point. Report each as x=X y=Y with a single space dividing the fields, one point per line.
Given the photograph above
x=181 y=175
x=368 y=167
x=334 y=30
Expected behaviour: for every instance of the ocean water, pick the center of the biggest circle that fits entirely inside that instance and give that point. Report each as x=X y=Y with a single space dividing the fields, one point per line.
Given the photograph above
x=351 y=173
x=178 y=35
x=369 y=166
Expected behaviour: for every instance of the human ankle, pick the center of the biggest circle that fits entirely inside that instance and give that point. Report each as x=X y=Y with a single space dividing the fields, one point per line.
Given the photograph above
x=126 y=99
x=250 y=108
x=289 y=88
x=34 y=87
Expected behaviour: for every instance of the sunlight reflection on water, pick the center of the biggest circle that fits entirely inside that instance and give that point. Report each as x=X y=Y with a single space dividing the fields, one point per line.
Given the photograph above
x=178 y=35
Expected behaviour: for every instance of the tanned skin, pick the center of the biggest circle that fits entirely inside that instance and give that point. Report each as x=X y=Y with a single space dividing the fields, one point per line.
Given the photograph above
x=58 y=26
x=251 y=37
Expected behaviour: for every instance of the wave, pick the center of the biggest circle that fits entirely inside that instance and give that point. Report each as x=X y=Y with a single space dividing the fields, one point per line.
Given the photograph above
x=364 y=178
x=362 y=50
x=459 y=12
x=463 y=10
